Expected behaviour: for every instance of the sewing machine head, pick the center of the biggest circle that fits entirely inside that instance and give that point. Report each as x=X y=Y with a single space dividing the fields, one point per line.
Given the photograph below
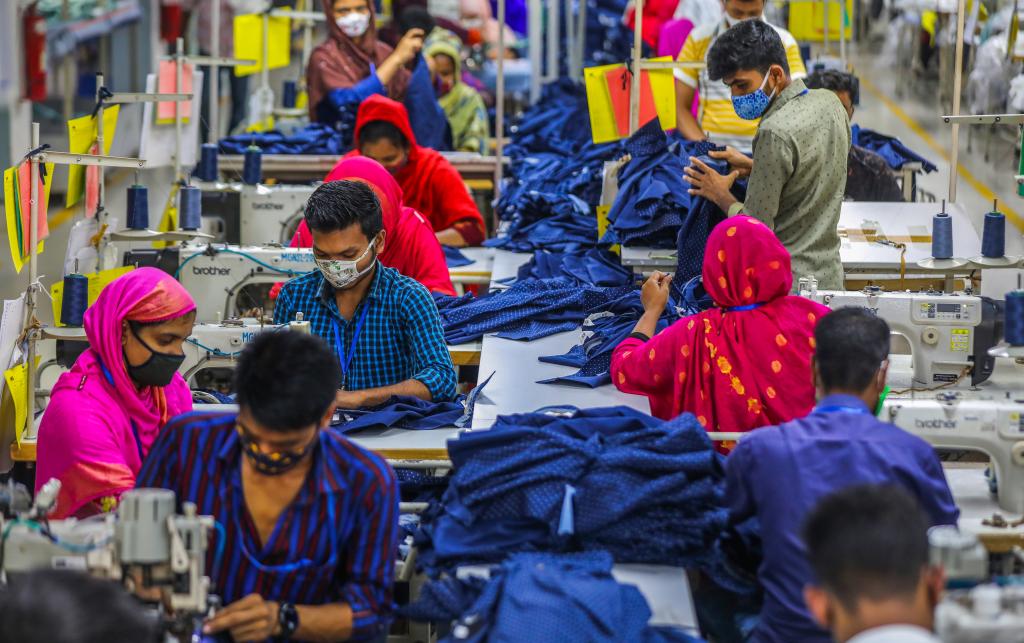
x=227 y=281
x=949 y=335
x=271 y=213
x=211 y=351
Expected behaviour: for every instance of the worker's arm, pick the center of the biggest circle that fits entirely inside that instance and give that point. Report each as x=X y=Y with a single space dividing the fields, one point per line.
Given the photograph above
x=255 y=619
x=685 y=122
x=773 y=166
x=408 y=48
x=642 y=364
x=375 y=396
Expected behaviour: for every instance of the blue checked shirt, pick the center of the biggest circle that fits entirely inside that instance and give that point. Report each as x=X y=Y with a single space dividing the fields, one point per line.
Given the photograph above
x=401 y=338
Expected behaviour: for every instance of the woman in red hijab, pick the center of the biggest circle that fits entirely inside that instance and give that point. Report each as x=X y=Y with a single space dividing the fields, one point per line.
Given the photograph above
x=353 y=64
x=745 y=363
x=430 y=183
x=410 y=246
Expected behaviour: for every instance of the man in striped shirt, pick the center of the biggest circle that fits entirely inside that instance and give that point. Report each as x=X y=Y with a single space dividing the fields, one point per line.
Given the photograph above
x=718 y=121
x=307 y=522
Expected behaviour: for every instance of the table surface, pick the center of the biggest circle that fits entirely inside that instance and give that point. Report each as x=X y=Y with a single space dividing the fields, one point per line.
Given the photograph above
x=971 y=492
x=909 y=223
x=482 y=266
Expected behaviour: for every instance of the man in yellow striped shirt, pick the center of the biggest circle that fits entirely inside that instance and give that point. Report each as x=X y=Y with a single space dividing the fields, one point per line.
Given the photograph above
x=717 y=119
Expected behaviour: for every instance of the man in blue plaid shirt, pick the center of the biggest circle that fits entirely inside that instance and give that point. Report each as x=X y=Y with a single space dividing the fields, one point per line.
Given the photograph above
x=383 y=326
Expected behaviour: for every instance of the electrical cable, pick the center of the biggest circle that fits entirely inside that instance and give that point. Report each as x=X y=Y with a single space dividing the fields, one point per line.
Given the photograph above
x=263 y=264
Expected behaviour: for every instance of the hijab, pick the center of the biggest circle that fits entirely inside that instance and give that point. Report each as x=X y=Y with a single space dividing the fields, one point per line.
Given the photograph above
x=463 y=106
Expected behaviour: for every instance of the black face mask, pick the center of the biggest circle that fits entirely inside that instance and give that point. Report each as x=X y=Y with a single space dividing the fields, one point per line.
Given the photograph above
x=158 y=370
x=273 y=464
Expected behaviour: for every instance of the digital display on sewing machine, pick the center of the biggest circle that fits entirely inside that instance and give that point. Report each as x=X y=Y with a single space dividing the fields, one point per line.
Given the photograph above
x=930 y=311
x=948 y=308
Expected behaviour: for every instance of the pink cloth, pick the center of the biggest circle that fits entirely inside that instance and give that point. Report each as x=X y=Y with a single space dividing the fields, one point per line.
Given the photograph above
x=87 y=438
x=673 y=36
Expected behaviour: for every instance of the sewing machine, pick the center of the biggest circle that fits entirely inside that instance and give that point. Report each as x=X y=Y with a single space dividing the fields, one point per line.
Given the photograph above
x=949 y=335
x=144 y=545
x=218 y=345
x=217 y=275
x=271 y=213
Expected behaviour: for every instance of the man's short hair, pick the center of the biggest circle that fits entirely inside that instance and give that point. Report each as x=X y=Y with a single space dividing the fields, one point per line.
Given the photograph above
x=867 y=541
x=287 y=380
x=336 y=205
x=851 y=344
x=72 y=607
x=749 y=45
x=837 y=81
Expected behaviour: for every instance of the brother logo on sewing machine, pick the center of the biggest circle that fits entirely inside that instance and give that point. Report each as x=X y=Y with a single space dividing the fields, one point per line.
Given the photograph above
x=210 y=271
x=936 y=424
x=269 y=205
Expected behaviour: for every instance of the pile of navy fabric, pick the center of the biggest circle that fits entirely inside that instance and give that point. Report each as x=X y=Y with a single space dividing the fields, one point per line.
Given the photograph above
x=529 y=310
x=895 y=153
x=593 y=266
x=604 y=331
x=546 y=220
x=608 y=40
x=543 y=598
x=612 y=479
x=315 y=138
x=401 y=412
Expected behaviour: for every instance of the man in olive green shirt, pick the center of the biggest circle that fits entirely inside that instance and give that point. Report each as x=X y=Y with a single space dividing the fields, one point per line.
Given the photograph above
x=798 y=173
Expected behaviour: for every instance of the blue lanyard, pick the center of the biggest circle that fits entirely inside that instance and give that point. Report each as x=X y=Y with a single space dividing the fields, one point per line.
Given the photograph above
x=343 y=359
x=135 y=430
x=739 y=309
x=838 y=408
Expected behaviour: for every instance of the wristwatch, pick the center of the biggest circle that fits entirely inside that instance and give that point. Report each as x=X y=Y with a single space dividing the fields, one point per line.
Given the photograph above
x=288 y=619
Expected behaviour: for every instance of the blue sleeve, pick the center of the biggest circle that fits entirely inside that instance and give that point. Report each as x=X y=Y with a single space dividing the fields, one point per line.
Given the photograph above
x=283 y=308
x=739 y=495
x=425 y=338
x=342 y=97
x=932 y=490
x=160 y=468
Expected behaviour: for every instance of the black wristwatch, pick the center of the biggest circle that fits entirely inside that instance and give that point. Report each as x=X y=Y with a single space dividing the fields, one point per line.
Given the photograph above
x=288 y=619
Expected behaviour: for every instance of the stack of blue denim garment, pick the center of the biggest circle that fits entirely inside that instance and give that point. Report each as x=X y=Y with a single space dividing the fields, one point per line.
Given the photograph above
x=613 y=479
x=315 y=138
x=401 y=412
x=543 y=598
x=895 y=153
x=536 y=220
x=530 y=309
x=605 y=330
x=594 y=266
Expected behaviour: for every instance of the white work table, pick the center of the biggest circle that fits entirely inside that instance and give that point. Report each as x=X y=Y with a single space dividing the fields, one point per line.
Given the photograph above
x=970 y=490
x=478 y=272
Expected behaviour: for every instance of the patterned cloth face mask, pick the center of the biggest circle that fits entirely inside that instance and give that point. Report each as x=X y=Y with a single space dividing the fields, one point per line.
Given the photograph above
x=753 y=105
x=343 y=274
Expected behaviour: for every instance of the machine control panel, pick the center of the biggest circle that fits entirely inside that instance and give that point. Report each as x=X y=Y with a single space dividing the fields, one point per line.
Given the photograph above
x=955 y=311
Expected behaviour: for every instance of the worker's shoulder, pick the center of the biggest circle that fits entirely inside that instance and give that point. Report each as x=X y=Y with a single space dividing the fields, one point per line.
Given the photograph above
x=356 y=465
x=311 y=279
x=701 y=35
x=404 y=289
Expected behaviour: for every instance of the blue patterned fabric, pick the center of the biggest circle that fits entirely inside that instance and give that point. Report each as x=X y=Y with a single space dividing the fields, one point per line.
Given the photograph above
x=454 y=257
x=594 y=266
x=543 y=220
x=895 y=153
x=428 y=121
x=646 y=491
x=315 y=138
x=401 y=412
x=543 y=598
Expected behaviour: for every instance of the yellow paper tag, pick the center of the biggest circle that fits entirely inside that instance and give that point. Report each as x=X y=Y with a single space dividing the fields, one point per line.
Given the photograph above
x=11 y=215
x=97 y=282
x=249 y=42
x=602 y=225
x=17 y=384
x=603 y=125
x=81 y=137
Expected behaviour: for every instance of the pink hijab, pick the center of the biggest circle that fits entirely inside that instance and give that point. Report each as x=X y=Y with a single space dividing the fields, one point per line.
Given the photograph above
x=94 y=435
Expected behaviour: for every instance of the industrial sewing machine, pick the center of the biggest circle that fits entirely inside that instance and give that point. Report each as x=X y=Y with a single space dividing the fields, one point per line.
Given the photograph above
x=145 y=545
x=216 y=346
x=949 y=335
x=271 y=213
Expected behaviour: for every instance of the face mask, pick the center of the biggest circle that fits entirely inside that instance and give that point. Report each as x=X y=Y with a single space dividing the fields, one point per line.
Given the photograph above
x=270 y=464
x=753 y=105
x=443 y=87
x=353 y=24
x=158 y=370
x=344 y=274
x=732 y=22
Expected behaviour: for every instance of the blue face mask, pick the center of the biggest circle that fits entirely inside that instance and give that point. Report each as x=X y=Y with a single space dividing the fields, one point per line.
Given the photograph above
x=753 y=105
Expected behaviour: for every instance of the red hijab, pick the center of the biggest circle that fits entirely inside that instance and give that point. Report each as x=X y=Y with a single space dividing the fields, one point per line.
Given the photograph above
x=410 y=246
x=736 y=369
x=340 y=62
x=430 y=183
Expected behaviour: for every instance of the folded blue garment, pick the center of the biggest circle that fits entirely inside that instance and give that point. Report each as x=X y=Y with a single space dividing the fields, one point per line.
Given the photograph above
x=895 y=153
x=594 y=266
x=542 y=220
x=454 y=257
x=315 y=138
x=543 y=598
x=402 y=412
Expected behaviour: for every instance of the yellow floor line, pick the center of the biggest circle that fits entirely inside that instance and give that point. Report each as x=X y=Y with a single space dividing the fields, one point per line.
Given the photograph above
x=907 y=120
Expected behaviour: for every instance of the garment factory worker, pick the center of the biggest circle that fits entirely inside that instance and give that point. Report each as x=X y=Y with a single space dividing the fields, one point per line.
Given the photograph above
x=353 y=64
x=868 y=177
x=430 y=183
x=743 y=364
x=411 y=249
x=778 y=474
x=798 y=173
x=310 y=520
x=383 y=326
x=873 y=583
x=105 y=413
x=463 y=106
x=718 y=121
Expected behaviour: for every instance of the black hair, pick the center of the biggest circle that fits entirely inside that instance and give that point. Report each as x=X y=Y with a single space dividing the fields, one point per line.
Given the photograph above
x=378 y=130
x=336 y=205
x=72 y=607
x=851 y=344
x=751 y=44
x=416 y=17
x=867 y=541
x=287 y=379
x=837 y=81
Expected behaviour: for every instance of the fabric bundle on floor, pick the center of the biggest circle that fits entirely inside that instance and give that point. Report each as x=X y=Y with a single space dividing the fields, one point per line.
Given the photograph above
x=543 y=598
x=614 y=479
x=895 y=153
x=594 y=266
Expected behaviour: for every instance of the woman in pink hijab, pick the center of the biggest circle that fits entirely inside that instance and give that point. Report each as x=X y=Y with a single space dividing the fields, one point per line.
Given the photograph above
x=105 y=413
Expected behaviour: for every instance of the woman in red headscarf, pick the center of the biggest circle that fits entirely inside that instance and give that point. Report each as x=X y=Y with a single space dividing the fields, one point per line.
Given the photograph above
x=745 y=363
x=410 y=245
x=430 y=183
x=353 y=64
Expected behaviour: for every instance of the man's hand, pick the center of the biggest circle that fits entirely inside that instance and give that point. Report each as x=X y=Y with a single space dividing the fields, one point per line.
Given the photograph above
x=736 y=159
x=350 y=399
x=654 y=294
x=410 y=45
x=250 y=619
x=710 y=184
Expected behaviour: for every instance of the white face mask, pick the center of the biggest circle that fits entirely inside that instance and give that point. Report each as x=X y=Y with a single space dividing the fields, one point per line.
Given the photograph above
x=343 y=274
x=353 y=24
x=732 y=22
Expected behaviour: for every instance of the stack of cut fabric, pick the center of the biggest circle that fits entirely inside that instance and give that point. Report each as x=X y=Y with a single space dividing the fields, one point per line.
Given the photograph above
x=895 y=153
x=594 y=266
x=611 y=479
x=546 y=220
x=543 y=598
x=315 y=138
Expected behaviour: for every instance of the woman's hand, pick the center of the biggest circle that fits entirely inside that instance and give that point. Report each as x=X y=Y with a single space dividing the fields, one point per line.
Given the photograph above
x=409 y=46
x=654 y=295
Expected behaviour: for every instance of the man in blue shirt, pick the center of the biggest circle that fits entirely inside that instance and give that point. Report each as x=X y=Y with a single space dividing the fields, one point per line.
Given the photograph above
x=778 y=474
x=307 y=521
x=384 y=327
